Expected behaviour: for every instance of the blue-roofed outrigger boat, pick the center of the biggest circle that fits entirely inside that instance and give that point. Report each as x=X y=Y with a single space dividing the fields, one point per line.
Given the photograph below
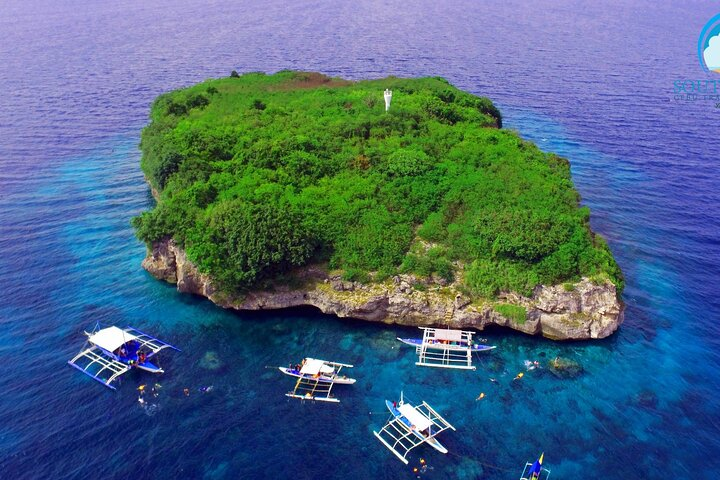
x=535 y=470
x=114 y=351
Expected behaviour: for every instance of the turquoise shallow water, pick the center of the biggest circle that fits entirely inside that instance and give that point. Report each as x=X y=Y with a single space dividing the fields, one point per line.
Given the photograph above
x=645 y=404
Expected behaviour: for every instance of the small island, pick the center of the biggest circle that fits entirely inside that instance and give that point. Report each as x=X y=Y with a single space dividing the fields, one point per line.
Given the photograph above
x=293 y=189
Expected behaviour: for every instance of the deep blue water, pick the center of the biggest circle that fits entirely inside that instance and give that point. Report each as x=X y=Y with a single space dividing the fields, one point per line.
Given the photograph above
x=592 y=83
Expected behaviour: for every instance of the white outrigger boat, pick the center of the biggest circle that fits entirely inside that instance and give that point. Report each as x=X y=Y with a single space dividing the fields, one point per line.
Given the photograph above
x=447 y=344
x=445 y=348
x=322 y=370
x=114 y=351
x=411 y=426
x=316 y=379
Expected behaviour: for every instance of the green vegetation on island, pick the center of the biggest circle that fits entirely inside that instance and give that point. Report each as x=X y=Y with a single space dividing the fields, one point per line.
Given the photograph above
x=258 y=174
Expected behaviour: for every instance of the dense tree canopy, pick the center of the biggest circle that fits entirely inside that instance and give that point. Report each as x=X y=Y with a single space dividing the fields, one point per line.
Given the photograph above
x=258 y=174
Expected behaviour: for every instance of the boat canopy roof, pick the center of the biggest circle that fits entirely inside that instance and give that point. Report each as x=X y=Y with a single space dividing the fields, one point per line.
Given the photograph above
x=111 y=338
x=450 y=335
x=420 y=421
x=314 y=366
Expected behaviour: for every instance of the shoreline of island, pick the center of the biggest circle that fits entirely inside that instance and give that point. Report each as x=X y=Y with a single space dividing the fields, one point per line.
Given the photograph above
x=584 y=312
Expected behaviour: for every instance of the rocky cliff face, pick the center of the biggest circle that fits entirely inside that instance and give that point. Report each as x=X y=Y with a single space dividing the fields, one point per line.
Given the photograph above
x=585 y=311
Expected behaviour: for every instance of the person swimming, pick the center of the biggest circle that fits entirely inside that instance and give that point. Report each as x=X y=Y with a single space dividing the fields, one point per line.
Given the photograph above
x=531 y=365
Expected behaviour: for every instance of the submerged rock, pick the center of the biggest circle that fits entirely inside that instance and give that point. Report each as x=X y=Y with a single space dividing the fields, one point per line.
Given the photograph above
x=469 y=469
x=563 y=367
x=386 y=346
x=210 y=361
x=647 y=399
x=588 y=311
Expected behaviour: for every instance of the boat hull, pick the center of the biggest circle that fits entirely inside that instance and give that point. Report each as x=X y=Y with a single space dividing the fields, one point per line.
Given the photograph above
x=342 y=380
x=149 y=367
x=416 y=342
x=432 y=441
x=133 y=361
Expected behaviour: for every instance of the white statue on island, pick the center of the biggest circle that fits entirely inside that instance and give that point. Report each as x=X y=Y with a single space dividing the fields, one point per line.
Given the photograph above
x=388 y=97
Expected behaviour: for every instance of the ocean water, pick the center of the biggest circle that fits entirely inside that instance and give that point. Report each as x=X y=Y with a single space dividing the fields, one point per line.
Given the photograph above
x=590 y=82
